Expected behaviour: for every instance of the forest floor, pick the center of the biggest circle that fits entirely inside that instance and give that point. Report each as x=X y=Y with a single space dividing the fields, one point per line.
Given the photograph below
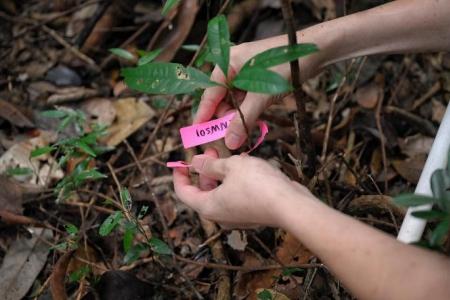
x=55 y=54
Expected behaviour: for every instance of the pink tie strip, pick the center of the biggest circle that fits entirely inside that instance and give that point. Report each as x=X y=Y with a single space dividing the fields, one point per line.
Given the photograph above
x=199 y=134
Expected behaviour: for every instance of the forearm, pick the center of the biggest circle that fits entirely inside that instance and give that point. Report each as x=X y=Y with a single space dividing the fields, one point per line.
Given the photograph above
x=370 y=263
x=397 y=27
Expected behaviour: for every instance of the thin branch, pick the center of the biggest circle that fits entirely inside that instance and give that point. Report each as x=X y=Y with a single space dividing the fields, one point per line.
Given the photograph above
x=304 y=138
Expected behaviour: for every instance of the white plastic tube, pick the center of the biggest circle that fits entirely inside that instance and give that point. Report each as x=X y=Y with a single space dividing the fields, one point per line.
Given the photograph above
x=412 y=227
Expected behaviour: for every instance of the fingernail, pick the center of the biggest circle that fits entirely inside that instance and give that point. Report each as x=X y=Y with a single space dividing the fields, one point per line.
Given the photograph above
x=233 y=141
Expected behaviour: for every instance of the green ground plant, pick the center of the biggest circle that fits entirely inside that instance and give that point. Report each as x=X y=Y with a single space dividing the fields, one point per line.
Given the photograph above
x=440 y=212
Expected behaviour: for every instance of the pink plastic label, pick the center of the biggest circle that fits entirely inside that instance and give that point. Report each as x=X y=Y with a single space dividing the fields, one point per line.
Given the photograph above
x=203 y=133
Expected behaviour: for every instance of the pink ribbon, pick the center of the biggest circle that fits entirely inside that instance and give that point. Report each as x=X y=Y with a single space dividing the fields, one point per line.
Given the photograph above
x=199 y=134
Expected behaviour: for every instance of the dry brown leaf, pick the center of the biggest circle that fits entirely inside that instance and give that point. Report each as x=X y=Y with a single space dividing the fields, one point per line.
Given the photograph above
x=237 y=240
x=11 y=195
x=377 y=201
x=57 y=279
x=438 y=111
x=416 y=145
x=290 y=251
x=131 y=115
x=100 y=110
x=19 y=156
x=22 y=264
x=411 y=168
x=9 y=112
x=83 y=255
x=368 y=95
x=275 y=295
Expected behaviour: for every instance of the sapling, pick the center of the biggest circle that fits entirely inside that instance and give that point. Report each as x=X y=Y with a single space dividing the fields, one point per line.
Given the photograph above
x=254 y=76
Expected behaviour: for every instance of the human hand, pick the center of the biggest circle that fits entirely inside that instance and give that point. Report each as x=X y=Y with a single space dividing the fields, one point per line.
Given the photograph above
x=252 y=192
x=253 y=104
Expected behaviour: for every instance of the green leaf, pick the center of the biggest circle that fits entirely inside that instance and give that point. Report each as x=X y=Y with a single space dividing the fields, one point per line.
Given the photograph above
x=134 y=253
x=165 y=78
x=110 y=223
x=128 y=236
x=71 y=229
x=125 y=198
x=191 y=47
x=142 y=211
x=54 y=114
x=78 y=274
x=160 y=247
x=263 y=81
x=159 y=103
x=122 y=53
x=438 y=234
x=84 y=147
x=18 y=171
x=440 y=185
x=148 y=57
x=41 y=151
x=168 y=6
x=65 y=122
x=290 y=271
x=264 y=295
x=413 y=200
x=219 y=42
x=280 y=55
x=92 y=174
x=430 y=214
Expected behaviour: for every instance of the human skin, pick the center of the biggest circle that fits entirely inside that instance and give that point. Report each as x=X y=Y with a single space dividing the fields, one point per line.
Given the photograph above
x=397 y=27
x=371 y=264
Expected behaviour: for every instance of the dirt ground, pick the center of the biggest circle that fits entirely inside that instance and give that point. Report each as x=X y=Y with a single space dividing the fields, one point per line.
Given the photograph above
x=55 y=54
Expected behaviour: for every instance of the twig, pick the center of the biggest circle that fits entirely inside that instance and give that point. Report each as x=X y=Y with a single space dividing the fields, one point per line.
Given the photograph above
x=91 y=23
x=423 y=125
x=305 y=139
x=382 y=140
x=433 y=90
x=238 y=108
x=71 y=48
x=247 y=269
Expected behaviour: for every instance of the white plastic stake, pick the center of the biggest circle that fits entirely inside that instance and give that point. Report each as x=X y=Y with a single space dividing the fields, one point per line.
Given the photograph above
x=412 y=227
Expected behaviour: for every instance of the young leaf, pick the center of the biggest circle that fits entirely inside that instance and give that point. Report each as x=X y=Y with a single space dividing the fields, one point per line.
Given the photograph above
x=71 y=229
x=84 y=147
x=134 y=253
x=263 y=81
x=142 y=212
x=125 y=198
x=128 y=236
x=168 y=6
x=264 y=295
x=55 y=114
x=439 y=233
x=440 y=185
x=413 y=200
x=165 y=78
x=110 y=223
x=18 y=171
x=219 y=42
x=280 y=55
x=75 y=276
x=122 y=53
x=92 y=174
x=41 y=151
x=148 y=57
x=159 y=246
x=430 y=214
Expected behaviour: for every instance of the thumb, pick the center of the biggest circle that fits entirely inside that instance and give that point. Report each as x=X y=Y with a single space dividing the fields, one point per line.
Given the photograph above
x=252 y=107
x=214 y=168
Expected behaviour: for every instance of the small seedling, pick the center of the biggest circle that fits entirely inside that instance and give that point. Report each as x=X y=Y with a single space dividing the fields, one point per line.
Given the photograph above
x=440 y=212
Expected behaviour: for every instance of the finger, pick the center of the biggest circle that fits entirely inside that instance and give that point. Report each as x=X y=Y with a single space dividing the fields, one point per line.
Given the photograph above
x=206 y=183
x=223 y=109
x=211 y=98
x=186 y=192
x=214 y=168
x=252 y=107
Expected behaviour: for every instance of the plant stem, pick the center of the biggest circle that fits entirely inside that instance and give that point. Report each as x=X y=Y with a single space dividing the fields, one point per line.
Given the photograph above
x=304 y=139
x=236 y=105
